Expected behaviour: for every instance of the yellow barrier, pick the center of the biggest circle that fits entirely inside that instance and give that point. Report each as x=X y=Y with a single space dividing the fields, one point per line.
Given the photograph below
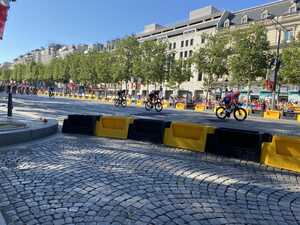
x=200 y=108
x=298 y=117
x=166 y=104
x=283 y=153
x=187 y=136
x=113 y=127
x=180 y=106
x=139 y=103
x=275 y=115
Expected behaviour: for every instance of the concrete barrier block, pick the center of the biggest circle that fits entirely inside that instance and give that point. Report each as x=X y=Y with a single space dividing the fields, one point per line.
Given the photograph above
x=113 y=127
x=148 y=130
x=235 y=143
x=273 y=115
x=139 y=103
x=187 y=136
x=200 y=108
x=80 y=124
x=180 y=106
x=283 y=152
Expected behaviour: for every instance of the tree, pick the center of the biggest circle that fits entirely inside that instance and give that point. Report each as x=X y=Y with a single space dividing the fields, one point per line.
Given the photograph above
x=250 y=57
x=103 y=68
x=180 y=72
x=290 y=72
x=125 y=55
x=211 y=60
x=152 y=63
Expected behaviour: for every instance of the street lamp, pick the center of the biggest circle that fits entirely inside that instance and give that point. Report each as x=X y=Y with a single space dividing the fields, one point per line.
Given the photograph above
x=4 y=6
x=277 y=59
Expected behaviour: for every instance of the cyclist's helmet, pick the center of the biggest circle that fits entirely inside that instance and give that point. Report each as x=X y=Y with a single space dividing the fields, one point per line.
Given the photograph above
x=236 y=93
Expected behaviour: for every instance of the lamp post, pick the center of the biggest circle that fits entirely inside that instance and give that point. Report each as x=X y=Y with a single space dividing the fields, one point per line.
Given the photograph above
x=277 y=60
x=4 y=6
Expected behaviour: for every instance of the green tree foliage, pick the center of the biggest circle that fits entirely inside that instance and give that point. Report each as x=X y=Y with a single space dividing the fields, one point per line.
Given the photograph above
x=211 y=59
x=126 y=55
x=290 y=72
x=180 y=72
x=152 y=63
x=250 y=55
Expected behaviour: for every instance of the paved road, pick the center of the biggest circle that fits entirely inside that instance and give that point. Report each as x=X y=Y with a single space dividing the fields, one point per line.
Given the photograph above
x=59 y=108
x=80 y=180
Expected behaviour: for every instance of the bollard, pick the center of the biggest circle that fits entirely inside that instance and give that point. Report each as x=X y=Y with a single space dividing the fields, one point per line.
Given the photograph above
x=9 y=103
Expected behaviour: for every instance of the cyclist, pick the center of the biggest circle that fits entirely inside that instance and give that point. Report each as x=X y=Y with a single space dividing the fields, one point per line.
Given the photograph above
x=230 y=99
x=121 y=94
x=154 y=96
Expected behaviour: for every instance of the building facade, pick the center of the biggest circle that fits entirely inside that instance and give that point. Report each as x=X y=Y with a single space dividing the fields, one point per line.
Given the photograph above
x=185 y=38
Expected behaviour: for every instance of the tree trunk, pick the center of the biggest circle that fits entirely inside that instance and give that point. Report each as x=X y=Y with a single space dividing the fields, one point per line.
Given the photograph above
x=105 y=90
x=206 y=96
x=248 y=94
x=147 y=87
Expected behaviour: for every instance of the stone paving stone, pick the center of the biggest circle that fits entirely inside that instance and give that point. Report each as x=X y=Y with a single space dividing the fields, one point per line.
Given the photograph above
x=86 y=180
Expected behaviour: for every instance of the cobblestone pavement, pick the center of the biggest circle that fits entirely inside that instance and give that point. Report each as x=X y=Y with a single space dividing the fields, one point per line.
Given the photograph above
x=82 y=180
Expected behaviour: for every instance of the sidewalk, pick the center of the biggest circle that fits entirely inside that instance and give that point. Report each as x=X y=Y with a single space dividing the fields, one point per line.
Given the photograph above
x=24 y=129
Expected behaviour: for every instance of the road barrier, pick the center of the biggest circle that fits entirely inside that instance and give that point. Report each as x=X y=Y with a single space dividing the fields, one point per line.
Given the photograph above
x=234 y=143
x=139 y=103
x=180 y=106
x=200 y=108
x=279 y=152
x=80 y=124
x=283 y=153
x=290 y=115
x=298 y=117
x=166 y=104
x=148 y=130
x=113 y=127
x=187 y=136
x=274 y=115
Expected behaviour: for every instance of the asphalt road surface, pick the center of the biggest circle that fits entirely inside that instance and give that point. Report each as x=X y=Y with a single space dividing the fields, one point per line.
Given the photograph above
x=59 y=108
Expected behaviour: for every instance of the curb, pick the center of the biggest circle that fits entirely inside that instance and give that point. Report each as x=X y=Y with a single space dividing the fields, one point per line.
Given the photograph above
x=28 y=134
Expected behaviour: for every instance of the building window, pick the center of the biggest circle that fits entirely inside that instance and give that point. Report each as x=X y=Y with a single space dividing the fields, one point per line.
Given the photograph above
x=192 y=42
x=202 y=40
x=288 y=36
x=293 y=8
x=182 y=44
x=199 y=76
x=186 y=43
x=244 y=19
x=185 y=54
x=174 y=45
x=170 y=46
x=181 y=55
x=191 y=53
x=227 y=23
x=265 y=15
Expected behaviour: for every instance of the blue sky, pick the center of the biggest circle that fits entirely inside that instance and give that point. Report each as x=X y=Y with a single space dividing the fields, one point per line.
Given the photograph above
x=36 y=23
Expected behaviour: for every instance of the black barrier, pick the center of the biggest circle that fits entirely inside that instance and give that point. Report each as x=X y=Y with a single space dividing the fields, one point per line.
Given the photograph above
x=148 y=130
x=80 y=124
x=290 y=115
x=241 y=144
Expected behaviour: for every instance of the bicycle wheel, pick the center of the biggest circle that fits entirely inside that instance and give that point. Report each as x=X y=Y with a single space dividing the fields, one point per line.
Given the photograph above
x=148 y=106
x=158 y=107
x=240 y=114
x=124 y=103
x=221 y=113
x=117 y=103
